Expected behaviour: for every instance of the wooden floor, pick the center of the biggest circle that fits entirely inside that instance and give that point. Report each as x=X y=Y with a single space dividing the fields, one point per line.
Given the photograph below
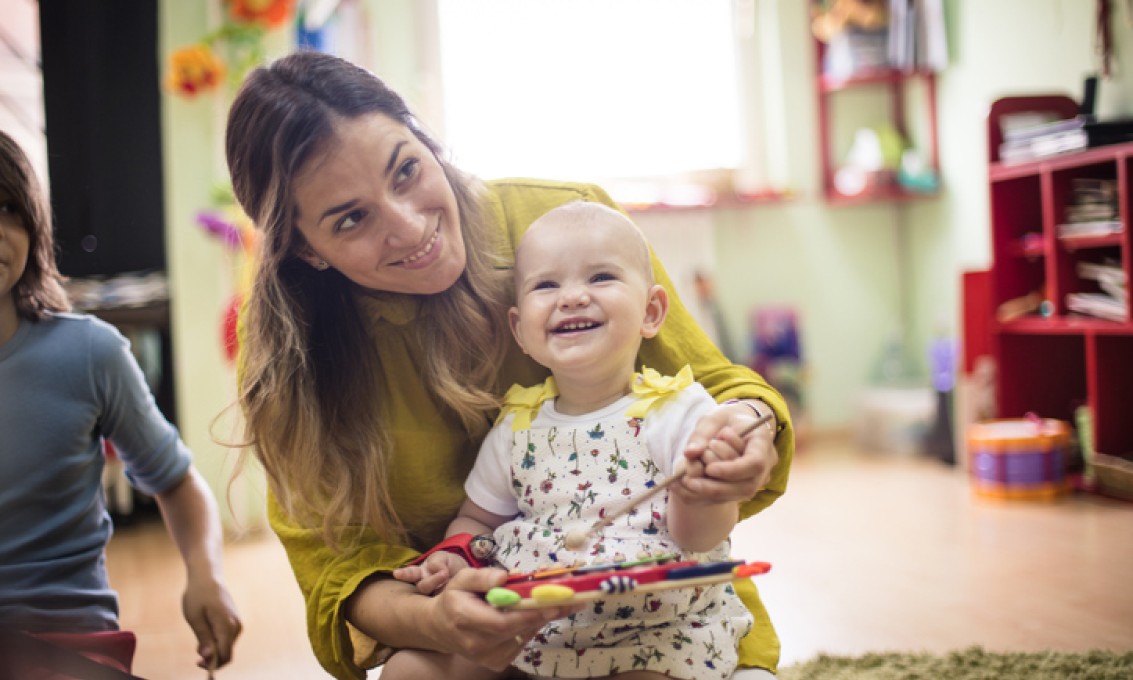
x=869 y=553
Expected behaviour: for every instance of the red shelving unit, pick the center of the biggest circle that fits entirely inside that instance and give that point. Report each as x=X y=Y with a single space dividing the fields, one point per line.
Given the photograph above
x=1050 y=365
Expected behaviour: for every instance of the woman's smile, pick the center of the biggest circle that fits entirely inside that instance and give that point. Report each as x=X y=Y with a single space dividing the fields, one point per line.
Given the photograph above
x=422 y=258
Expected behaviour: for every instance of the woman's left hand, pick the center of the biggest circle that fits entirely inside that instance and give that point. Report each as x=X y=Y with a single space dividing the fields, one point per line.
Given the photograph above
x=722 y=465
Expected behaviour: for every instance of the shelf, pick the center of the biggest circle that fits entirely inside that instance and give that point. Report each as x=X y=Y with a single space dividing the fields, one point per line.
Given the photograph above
x=998 y=171
x=891 y=94
x=155 y=314
x=734 y=200
x=1063 y=325
x=1085 y=242
x=880 y=77
x=883 y=195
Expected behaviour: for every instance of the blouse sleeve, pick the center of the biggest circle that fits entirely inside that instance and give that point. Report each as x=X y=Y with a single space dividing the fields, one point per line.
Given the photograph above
x=327 y=578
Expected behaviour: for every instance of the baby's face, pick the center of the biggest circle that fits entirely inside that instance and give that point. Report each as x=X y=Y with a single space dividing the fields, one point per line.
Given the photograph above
x=585 y=296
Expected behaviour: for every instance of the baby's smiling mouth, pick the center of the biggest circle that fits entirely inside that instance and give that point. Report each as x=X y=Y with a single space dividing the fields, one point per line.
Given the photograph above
x=575 y=325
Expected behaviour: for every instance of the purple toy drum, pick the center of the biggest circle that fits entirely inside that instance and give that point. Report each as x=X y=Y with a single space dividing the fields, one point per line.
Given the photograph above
x=1023 y=458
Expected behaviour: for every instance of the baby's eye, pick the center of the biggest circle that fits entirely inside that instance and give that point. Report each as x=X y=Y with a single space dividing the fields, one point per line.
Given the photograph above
x=349 y=221
x=603 y=276
x=545 y=285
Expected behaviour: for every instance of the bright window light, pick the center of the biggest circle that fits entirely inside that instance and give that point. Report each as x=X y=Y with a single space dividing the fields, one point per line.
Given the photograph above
x=590 y=89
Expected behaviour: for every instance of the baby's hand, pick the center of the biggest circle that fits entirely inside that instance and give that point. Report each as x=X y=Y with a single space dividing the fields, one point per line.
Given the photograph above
x=432 y=574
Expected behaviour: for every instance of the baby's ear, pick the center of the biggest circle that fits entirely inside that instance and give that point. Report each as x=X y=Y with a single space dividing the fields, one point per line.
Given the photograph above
x=656 y=309
x=513 y=323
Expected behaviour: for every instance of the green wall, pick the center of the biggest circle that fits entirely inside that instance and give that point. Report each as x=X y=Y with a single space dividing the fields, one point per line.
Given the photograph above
x=852 y=273
x=202 y=276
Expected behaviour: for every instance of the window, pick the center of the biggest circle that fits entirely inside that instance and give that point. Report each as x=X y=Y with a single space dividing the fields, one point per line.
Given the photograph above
x=592 y=90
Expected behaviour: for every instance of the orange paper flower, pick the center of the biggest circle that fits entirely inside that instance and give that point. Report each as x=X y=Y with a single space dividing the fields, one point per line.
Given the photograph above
x=194 y=69
x=271 y=13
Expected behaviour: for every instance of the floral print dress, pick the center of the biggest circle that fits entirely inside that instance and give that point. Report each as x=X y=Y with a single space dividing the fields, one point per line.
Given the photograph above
x=566 y=472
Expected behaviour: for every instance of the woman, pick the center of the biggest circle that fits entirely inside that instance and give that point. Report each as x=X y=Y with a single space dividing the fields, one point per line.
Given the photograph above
x=375 y=348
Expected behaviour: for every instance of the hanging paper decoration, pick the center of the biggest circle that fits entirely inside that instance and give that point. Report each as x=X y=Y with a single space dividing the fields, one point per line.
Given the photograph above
x=193 y=70
x=270 y=13
x=229 y=338
x=234 y=47
x=233 y=228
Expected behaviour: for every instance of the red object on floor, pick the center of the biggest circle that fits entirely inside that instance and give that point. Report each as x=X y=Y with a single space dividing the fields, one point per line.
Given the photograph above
x=112 y=648
x=977 y=318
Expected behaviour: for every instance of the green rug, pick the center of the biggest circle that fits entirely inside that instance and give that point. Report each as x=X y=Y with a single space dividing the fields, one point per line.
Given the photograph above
x=973 y=663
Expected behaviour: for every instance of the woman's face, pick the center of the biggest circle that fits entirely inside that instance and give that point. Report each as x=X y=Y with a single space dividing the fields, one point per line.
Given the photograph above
x=377 y=206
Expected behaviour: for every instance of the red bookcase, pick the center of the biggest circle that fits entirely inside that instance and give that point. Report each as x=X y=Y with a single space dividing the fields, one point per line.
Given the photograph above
x=1053 y=361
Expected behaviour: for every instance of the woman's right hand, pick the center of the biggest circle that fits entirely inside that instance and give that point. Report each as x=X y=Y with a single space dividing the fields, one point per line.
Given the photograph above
x=464 y=624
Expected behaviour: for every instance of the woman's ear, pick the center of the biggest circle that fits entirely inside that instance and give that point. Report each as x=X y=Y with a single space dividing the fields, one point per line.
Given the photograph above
x=656 y=309
x=309 y=256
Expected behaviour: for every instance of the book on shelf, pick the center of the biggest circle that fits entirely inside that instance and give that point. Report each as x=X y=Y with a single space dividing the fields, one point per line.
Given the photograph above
x=1090 y=228
x=1024 y=143
x=1094 y=189
x=1038 y=127
x=1050 y=144
x=1089 y=212
x=1109 y=277
x=1097 y=304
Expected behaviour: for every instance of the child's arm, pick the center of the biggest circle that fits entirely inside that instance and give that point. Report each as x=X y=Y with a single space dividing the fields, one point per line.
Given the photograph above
x=698 y=524
x=432 y=574
x=191 y=517
x=701 y=514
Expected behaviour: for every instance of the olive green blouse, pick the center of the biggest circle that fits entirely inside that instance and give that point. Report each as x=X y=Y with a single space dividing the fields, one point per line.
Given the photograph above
x=434 y=453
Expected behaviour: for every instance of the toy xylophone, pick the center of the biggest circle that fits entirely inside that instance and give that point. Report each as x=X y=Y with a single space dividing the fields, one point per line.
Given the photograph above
x=571 y=585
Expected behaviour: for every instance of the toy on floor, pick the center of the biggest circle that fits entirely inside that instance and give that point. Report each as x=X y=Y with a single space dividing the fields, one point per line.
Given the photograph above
x=1020 y=458
x=571 y=585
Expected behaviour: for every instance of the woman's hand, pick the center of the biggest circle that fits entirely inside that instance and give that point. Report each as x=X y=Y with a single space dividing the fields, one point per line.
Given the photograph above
x=468 y=626
x=722 y=466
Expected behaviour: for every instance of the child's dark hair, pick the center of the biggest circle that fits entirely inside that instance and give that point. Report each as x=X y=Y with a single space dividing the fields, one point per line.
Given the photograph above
x=40 y=289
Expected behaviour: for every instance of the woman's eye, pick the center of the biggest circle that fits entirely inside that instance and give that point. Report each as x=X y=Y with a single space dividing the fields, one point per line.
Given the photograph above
x=407 y=170
x=8 y=207
x=349 y=221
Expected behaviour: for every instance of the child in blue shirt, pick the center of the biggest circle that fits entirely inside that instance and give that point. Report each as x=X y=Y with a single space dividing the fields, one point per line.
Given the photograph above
x=66 y=382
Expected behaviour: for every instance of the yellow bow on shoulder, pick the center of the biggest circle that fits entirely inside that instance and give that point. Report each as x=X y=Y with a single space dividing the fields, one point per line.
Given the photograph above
x=650 y=388
x=525 y=402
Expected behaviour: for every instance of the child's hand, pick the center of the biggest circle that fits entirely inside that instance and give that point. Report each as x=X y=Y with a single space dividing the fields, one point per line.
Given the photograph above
x=722 y=467
x=434 y=573
x=210 y=612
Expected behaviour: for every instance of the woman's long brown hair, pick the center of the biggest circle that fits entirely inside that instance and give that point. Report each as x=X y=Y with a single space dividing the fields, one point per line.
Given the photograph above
x=315 y=420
